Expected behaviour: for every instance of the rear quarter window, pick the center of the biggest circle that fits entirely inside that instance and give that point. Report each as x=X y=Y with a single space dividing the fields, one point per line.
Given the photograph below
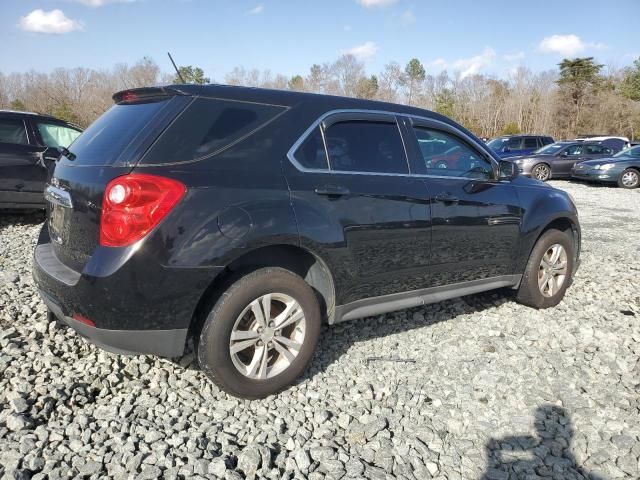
x=207 y=127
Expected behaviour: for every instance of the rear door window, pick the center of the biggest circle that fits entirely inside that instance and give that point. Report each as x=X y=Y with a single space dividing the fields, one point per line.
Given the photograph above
x=366 y=146
x=207 y=127
x=311 y=154
x=530 y=143
x=515 y=143
x=12 y=130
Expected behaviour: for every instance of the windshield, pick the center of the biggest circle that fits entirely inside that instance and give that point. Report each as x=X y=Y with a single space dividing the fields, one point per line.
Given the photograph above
x=497 y=143
x=550 y=149
x=633 y=152
x=109 y=136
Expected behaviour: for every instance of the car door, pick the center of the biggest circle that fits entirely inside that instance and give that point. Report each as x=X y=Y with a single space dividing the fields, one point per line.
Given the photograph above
x=564 y=160
x=22 y=173
x=514 y=147
x=358 y=207
x=475 y=217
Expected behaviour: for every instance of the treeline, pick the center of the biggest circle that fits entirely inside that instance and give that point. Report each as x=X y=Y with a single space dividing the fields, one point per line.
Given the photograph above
x=580 y=97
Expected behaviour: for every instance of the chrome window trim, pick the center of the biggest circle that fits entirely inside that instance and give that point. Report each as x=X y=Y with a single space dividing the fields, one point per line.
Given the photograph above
x=396 y=115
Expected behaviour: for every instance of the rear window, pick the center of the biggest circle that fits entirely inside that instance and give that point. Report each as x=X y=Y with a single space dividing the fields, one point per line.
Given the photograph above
x=207 y=127
x=107 y=140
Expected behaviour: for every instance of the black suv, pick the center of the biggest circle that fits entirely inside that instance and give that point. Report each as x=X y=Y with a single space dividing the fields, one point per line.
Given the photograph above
x=28 y=143
x=246 y=217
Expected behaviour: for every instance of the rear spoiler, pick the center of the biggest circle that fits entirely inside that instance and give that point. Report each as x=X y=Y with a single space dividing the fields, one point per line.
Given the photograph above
x=135 y=94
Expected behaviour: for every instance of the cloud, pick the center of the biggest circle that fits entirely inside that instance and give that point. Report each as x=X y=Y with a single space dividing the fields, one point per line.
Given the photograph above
x=466 y=67
x=567 y=45
x=407 y=18
x=54 y=22
x=101 y=3
x=362 y=52
x=513 y=57
x=258 y=9
x=376 y=3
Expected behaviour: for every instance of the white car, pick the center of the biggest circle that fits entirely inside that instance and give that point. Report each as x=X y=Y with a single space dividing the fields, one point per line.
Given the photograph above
x=616 y=143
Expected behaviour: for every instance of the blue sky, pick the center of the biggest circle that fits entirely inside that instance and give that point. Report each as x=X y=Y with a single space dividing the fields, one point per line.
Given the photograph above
x=287 y=36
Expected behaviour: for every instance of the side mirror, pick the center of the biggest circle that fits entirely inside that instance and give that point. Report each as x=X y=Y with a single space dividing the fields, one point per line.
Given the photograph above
x=51 y=154
x=506 y=149
x=564 y=154
x=507 y=170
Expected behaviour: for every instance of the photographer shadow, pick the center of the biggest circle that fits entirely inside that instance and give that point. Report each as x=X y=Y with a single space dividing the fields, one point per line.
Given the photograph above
x=545 y=455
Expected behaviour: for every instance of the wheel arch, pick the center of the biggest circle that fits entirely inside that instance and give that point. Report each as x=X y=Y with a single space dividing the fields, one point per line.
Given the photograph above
x=299 y=260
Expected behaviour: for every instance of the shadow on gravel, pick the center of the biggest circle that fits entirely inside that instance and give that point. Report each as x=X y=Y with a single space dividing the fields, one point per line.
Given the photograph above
x=335 y=340
x=545 y=455
x=21 y=217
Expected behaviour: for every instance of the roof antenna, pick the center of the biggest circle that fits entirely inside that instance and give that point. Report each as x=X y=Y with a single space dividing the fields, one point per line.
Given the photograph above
x=174 y=66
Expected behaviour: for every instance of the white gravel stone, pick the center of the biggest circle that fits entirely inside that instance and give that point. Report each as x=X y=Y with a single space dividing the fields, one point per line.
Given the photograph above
x=492 y=383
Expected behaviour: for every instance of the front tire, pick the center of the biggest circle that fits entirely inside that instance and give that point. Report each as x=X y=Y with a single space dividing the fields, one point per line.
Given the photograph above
x=261 y=334
x=630 y=178
x=541 y=172
x=549 y=271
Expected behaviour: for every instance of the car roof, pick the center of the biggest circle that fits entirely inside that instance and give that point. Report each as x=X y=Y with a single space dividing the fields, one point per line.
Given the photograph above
x=287 y=98
x=41 y=116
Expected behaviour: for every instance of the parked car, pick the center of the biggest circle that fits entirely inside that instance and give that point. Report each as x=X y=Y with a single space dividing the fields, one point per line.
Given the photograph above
x=27 y=147
x=557 y=160
x=614 y=143
x=623 y=168
x=246 y=217
x=508 y=146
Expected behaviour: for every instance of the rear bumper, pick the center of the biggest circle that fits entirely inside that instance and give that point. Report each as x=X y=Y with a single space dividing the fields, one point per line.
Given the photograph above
x=164 y=343
x=137 y=304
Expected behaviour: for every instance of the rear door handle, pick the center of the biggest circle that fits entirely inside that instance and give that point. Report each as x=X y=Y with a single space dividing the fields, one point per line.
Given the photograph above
x=332 y=191
x=446 y=198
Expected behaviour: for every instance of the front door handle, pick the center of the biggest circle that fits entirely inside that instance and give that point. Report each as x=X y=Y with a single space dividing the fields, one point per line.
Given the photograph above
x=447 y=198
x=332 y=191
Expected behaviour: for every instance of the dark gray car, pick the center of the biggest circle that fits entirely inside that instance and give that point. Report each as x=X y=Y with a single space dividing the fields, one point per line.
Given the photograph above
x=557 y=160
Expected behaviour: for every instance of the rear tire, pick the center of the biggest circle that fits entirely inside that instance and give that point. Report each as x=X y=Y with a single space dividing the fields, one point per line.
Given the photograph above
x=547 y=278
x=630 y=178
x=261 y=334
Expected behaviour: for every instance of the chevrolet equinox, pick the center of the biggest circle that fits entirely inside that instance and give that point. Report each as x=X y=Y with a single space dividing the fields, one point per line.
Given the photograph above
x=244 y=218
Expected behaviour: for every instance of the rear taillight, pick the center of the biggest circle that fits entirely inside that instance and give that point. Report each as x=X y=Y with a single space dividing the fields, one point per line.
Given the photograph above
x=133 y=205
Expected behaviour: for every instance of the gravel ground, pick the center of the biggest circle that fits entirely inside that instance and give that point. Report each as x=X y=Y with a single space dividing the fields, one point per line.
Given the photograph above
x=491 y=389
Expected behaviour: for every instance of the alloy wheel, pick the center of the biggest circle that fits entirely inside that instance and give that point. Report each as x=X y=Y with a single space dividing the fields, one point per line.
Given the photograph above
x=267 y=336
x=630 y=179
x=542 y=172
x=553 y=270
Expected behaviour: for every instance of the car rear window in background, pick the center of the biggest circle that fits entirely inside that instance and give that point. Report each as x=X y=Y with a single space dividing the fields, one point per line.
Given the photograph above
x=365 y=146
x=109 y=136
x=12 y=131
x=207 y=127
x=311 y=154
x=56 y=135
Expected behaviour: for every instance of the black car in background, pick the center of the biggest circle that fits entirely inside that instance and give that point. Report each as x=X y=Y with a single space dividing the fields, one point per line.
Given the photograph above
x=557 y=160
x=622 y=169
x=246 y=217
x=28 y=143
